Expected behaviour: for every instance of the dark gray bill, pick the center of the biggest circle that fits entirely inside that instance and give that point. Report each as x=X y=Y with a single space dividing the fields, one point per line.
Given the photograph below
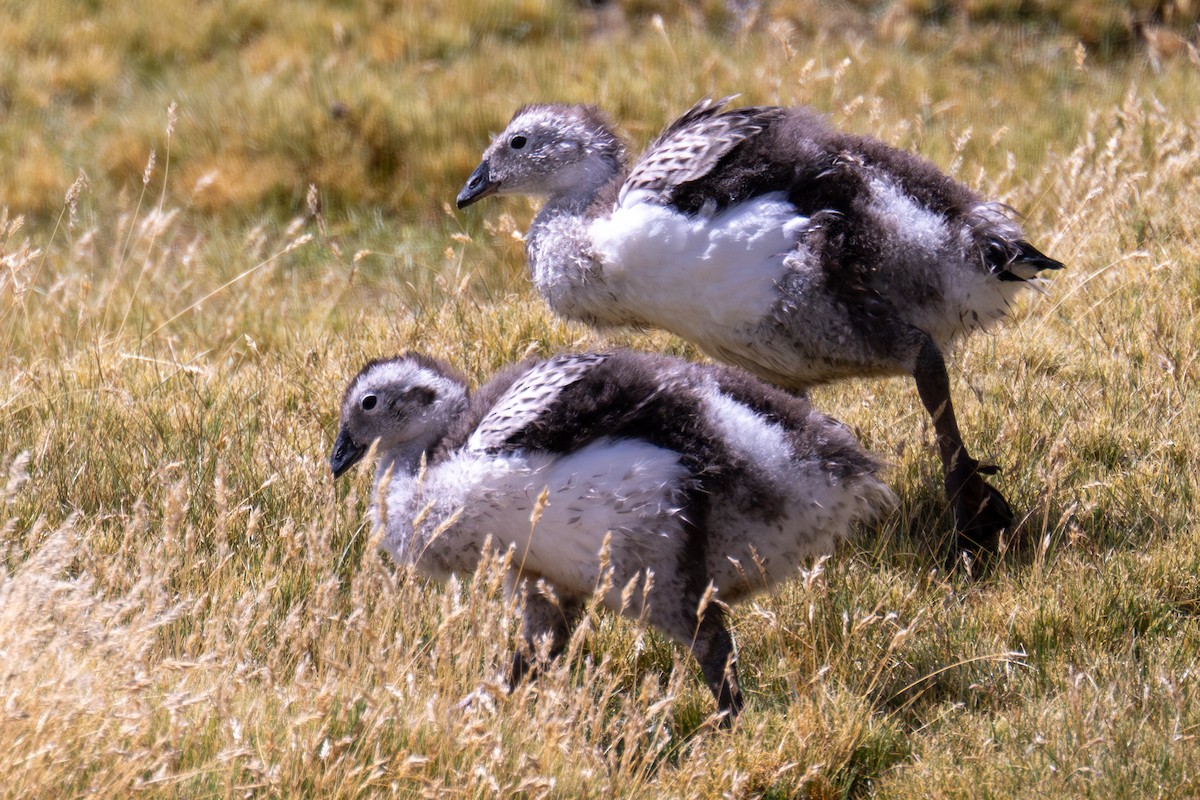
x=478 y=186
x=345 y=454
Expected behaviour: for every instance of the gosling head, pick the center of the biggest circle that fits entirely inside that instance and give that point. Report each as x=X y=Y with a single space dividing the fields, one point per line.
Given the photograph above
x=547 y=150
x=406 y=404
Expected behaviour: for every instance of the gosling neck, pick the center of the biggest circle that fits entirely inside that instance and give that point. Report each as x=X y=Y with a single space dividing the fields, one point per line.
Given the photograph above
x=577 y=188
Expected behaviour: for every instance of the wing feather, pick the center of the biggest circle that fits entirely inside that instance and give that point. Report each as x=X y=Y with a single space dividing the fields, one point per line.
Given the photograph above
x=692 y=145
x=529 y=397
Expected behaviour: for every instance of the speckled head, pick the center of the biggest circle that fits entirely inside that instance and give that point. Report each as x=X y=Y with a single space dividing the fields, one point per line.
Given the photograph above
x=407 y=403
x=547 y=150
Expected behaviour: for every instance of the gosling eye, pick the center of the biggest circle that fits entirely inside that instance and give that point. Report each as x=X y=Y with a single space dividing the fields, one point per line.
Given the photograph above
x=517 y=142
x=369 y=401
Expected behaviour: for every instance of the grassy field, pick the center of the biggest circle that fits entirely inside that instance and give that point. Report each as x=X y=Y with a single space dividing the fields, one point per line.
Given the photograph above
x=214 y=213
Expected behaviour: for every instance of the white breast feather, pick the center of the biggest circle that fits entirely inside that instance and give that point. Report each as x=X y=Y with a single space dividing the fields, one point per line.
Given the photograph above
x=691 y=273
x=628 y=487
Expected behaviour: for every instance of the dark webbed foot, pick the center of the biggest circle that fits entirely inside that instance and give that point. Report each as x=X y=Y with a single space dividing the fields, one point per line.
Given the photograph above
x=519 y=669
x=549 y=619
x=714 y=650
x=981 y=514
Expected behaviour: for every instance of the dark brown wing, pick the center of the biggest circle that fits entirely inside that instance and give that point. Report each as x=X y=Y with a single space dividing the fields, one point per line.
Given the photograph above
x=692 y=145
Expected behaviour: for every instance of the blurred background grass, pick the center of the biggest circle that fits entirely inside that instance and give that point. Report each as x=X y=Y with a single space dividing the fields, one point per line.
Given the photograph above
x=383 y=105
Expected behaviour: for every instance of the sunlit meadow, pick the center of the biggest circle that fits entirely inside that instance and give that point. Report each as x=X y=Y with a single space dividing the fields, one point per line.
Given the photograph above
x=211 y=214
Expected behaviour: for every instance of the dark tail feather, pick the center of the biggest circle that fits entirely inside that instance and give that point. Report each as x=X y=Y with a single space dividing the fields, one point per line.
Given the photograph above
x=1020 y=261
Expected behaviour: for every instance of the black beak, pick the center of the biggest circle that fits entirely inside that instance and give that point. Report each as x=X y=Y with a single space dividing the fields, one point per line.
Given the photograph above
x=345 y=454
x=478 y=186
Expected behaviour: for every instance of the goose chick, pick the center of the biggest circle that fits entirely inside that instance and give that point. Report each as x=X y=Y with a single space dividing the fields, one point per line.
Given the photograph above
x=702 y=476
x=776 y=243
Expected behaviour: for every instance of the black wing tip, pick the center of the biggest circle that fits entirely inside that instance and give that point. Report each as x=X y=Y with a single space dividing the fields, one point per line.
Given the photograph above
x=1019 y=261
x=1034 y=257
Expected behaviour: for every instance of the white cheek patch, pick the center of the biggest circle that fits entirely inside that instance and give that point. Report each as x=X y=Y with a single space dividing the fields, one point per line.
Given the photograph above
x=689 y=273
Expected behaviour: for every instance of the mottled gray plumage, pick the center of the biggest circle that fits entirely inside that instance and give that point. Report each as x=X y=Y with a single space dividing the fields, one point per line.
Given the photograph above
x=774 y=242
x=692 y=145
x=700 y=476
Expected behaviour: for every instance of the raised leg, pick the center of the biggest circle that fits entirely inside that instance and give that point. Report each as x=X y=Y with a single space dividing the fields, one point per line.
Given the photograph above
x=980 y=512
x=545 y=622
x=714 y=650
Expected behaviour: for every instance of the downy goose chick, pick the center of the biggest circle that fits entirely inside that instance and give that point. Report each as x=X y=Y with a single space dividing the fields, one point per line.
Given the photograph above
x=776 y=243
x=702 y=475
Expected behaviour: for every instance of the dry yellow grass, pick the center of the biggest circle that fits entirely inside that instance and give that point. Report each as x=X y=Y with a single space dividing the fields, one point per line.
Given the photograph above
x=190 y=608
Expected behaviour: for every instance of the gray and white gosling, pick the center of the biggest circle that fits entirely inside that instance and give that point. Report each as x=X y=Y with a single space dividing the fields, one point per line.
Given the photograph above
x=774 y=242
x=703 y=475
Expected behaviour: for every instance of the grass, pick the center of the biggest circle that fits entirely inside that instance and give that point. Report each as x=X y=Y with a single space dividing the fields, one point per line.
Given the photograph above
x=188 y=605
